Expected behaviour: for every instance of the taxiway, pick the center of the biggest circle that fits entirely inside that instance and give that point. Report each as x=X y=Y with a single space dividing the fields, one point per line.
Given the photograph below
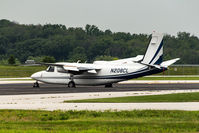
x=21 y=95
x=26 y=88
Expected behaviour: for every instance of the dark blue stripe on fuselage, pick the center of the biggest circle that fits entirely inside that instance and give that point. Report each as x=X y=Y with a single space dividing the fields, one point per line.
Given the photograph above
x=111 y=76
x=126 y=76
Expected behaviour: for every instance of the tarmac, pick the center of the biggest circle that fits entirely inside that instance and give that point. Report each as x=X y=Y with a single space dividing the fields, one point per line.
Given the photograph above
x=21 y=95
x=56 y=101
x=25 y=87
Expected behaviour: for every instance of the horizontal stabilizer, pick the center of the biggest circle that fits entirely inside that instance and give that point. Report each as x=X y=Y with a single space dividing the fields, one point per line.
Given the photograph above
x=169 y=62
x=164 y=64
x=156 y=66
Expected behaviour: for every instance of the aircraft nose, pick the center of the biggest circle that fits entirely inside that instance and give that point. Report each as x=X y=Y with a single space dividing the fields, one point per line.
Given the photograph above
x=36 y=75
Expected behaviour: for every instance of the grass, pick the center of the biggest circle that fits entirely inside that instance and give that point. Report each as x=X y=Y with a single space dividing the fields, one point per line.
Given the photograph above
x=145 y=121
x=167 y=78
x=180 y=97
x=19 y=71
x=182 y=70
x=27 y=71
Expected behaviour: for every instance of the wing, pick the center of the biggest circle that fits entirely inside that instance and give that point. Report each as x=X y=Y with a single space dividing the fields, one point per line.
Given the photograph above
x=76 y=68
x=80 y=70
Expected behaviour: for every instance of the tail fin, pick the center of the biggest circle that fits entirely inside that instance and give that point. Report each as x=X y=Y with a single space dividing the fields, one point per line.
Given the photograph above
x=154 y=53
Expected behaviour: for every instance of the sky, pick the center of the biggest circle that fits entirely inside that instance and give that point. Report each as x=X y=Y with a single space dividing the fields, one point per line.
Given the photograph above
x=134 y=16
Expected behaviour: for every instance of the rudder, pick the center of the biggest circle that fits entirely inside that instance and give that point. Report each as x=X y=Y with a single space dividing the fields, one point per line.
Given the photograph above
x=154 y=53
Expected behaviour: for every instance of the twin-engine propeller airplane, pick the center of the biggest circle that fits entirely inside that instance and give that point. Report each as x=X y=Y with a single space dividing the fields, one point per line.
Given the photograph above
x=107 y=72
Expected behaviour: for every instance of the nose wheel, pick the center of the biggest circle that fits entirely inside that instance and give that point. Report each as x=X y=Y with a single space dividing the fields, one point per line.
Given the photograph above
x=36 y=85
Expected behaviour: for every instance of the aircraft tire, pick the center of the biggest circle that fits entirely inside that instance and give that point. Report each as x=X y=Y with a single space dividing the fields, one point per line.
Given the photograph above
x=36 y=85
x=71 y=84
x=108 y=85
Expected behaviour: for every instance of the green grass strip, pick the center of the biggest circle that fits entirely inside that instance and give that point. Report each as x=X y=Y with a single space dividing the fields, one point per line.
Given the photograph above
x=180 y=97
x=19 y=71
x=8 y=71
x=144 y=121
x=167 y=78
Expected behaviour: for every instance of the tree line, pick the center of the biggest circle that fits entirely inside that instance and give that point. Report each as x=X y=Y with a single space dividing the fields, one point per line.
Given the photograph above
x=86 y=44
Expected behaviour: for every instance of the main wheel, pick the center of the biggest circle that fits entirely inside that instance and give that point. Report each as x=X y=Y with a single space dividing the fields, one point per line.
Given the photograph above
x=71 y=84
x=108 y=86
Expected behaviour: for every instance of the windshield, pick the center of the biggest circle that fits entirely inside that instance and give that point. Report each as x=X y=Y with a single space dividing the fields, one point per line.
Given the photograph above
x=50 y=69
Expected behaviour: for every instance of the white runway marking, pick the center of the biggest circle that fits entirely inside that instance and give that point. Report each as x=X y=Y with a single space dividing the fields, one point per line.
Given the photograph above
x=55 y=101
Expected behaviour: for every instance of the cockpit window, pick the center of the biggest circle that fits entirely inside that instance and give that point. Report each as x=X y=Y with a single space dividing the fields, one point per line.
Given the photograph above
x=61 y=70
x=51 y=69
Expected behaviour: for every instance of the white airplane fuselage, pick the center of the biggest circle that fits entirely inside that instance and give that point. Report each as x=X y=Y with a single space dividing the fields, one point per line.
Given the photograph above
x=108 y=73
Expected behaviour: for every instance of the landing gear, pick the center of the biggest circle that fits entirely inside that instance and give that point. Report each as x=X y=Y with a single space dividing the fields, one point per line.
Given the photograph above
x=36 y=85
x=71 y=84
x=108 y=85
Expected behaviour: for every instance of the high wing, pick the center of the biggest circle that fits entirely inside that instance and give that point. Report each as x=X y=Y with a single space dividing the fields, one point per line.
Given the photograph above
x=76 y=68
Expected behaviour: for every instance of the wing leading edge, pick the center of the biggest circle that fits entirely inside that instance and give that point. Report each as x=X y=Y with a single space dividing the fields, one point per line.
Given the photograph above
x=75 y=68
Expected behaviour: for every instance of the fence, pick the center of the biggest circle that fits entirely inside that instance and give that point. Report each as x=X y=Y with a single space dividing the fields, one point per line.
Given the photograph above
x=186 y=69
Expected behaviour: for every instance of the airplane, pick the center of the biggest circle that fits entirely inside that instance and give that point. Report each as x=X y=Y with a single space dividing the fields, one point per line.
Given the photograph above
x=107 y=72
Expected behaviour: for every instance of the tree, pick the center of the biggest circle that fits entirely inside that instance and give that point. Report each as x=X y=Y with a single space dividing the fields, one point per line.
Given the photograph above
x=92 y=30
x=74 y=43
x=108 y=32
x=36 y=59
x=78 y=54
x=48 y=59
x=11 y=60
x=87 y=28
x=106 y=58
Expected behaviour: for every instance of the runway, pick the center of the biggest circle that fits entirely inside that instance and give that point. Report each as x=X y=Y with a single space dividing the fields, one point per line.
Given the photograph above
x=56 y=101
x=51 y=97
x=26 y=88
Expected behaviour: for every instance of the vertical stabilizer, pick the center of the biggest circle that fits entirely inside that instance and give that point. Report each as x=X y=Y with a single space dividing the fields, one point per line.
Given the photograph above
x=154 y=53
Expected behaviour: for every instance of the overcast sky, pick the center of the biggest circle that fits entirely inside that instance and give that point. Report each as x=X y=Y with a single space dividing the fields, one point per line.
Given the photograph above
x=134 y=16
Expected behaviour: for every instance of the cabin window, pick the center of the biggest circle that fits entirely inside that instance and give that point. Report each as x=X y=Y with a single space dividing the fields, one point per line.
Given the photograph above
x=51 y=69
x=61 y=70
